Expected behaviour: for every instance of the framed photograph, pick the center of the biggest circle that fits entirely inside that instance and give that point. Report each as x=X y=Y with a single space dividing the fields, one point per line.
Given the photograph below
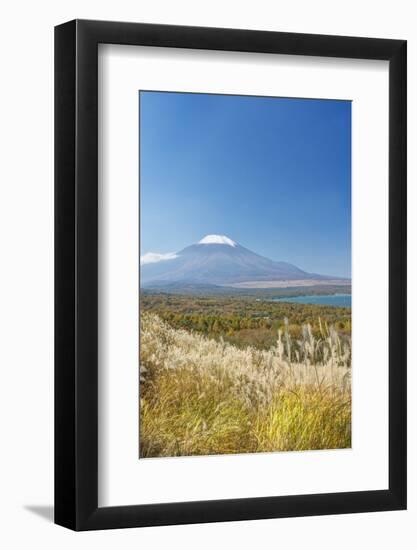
x=230 y=255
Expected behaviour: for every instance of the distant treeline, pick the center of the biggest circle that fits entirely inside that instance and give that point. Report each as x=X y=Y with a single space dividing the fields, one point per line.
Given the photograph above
x=244 y=321
x=263 y=293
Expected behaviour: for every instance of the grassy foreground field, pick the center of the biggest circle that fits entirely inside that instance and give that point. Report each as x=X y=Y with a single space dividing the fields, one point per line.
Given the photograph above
x=202 y=395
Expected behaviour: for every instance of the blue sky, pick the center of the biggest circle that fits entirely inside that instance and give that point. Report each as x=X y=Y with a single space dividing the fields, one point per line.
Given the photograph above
x=273 y=174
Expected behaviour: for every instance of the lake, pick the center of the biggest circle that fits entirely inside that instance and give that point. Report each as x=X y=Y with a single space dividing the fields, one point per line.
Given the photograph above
x=336 y=300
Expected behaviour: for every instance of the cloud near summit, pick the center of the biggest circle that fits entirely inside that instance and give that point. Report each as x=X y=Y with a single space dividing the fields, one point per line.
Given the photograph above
x=154 y=257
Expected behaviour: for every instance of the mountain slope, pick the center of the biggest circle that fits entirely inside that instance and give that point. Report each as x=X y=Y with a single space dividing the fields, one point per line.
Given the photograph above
x=217 y=260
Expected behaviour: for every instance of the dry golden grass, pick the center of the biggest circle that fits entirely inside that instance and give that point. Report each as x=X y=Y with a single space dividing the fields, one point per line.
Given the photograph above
x=201 y=397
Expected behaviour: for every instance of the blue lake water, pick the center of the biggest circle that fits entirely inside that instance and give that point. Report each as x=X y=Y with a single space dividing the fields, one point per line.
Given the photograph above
x=336 y=300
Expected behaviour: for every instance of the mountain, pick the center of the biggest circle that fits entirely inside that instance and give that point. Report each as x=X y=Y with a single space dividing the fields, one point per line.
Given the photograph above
x=218 y=260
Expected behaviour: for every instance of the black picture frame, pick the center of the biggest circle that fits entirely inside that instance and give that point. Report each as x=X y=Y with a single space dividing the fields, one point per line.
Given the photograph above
x=76 y=273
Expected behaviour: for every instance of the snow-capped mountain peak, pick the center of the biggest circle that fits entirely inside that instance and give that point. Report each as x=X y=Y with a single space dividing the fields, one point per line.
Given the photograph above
x=224 y=262
x=217 y=239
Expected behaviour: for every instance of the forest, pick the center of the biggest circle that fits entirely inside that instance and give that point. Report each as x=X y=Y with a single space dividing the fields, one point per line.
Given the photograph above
x=245 y=321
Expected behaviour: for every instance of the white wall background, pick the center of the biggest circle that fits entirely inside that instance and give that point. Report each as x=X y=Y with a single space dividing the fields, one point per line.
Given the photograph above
x=26 y=273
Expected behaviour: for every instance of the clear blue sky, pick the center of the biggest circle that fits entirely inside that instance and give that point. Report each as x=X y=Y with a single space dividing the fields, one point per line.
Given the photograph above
x=273 y=174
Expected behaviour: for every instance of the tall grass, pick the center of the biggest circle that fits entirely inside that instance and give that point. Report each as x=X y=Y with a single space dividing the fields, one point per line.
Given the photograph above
x=201 y=396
